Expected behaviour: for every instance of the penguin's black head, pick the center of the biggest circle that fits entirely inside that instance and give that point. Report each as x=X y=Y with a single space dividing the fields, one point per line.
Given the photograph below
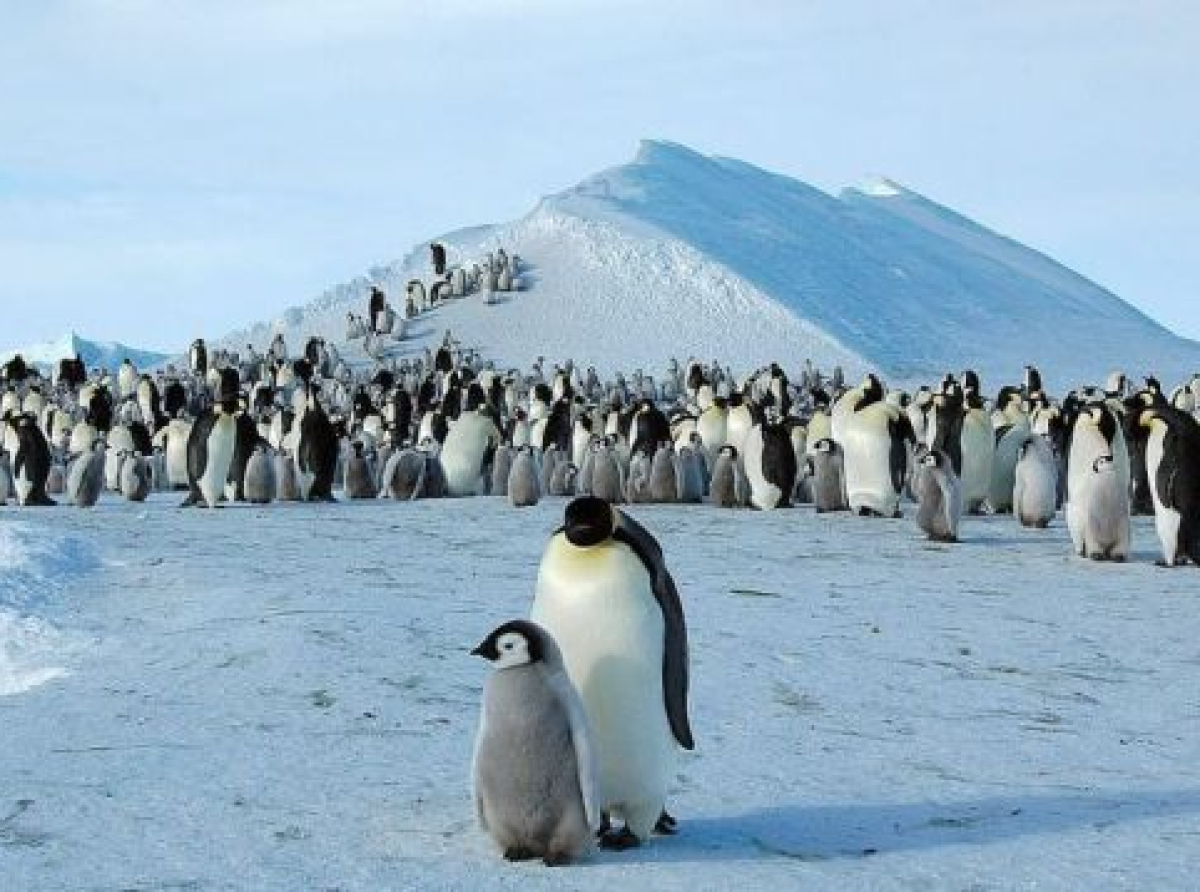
x=515 y=643
x=588 y=521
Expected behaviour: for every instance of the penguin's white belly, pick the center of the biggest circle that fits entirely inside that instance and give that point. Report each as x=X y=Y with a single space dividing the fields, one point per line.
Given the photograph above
x=220 y=455
x=177 y=473
x=764 y=494
x=866 y=463
x=610 y=628
x=462 y=460
x=978 y=447
x=24 y=485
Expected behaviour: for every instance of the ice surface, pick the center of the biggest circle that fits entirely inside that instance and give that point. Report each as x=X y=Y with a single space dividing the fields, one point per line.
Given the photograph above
x=282 y=698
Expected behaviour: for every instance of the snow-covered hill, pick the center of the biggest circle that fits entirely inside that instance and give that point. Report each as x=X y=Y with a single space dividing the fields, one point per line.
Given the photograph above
x=94 y=353
x=678 y=254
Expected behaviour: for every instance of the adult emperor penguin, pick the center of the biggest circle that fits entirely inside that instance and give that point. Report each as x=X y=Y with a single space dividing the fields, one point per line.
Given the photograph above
x=1035 y=492
x=1097 y=508
x=211 y=443
x=316 y=451
x=1173 y=466
x=605 y=595
x=467 y=452
x=31 y=464
x=939 y=496
x=770 y=464
x=524 y=479
x=872 y=433
x=533 y=770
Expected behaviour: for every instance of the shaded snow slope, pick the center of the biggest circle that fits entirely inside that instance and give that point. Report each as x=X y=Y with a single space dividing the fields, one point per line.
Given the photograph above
x=678 y=254
x=108 y=354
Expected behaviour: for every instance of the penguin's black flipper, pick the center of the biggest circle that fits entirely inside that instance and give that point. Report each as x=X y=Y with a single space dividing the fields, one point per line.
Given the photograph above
x=675 y=645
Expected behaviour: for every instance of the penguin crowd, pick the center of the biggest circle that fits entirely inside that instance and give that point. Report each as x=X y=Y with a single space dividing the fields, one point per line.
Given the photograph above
x=273 y=426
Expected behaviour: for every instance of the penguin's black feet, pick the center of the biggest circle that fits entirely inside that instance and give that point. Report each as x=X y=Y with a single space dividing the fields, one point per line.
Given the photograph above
x=619 y=840
x=556 y=859
x=666 y=824
x=605 y=825
x=1162 y=562
x=519 y=853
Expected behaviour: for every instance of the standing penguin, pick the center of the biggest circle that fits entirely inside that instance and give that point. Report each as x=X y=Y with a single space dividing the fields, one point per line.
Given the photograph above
x=467 y=453
x=826 y=479
x=211 y=444
x=501 y=469
x=259 y=485
x=605 y=595
x=728 y=487
x=286 y=483
x=770 y=463
x=1035 y=492
x=31 y=464
x=872 y=434
x=533 y=770
x=359 y=481
x=1097 y=507
x=1173 y=466
x=939 y=497
x=316 y=451
x=664 y=474
x=135 y=478
x=607 y=478
x=86 y=479
x=524 y=479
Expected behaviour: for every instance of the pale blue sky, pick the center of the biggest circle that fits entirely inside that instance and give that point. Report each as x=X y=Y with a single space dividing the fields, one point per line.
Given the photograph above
x=174 y=169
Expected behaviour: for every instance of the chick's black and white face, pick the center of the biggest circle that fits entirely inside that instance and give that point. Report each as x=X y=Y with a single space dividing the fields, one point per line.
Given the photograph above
x=512 y=649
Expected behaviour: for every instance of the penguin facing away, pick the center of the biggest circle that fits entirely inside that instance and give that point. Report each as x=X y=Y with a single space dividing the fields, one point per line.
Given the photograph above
x=604 y=593
x=533 y=771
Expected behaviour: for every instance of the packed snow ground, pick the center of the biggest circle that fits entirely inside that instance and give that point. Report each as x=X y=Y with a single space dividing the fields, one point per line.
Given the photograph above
x=281 y=698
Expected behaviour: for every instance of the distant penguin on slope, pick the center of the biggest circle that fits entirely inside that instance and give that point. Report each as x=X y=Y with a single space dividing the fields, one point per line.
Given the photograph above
x=533 y=771
x=605 y=595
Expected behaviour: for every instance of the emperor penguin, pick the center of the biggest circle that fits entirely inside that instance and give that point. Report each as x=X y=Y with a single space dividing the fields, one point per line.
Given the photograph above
x=562 y=481
x=211 y=444
x=404 y=479
x=259 y=485
x=939 y=496
x=604 y=593
x=689 y=459
x=86 y=479
x=287 y=486
x=359 y=482
x=1035 y=492
x=637 y=481
x=316 y=450
x=1173 y=466
x=524 y=479
x=31 y=464
x=467 y=452
x=1097 y=508
x=664 y=474
x=7 y=487
x=135 y=478
x=770 y=465
x=872 y=433
x=826 y=479
x=1012 y=427
x=738 y=420
x=608 y=477
x=728 y=486
x=178 y=432
x=533 y=770
x=501 y=468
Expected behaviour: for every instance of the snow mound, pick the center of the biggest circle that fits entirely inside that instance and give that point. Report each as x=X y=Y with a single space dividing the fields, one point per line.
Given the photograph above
x=108 y=354
x=677 y=254
x=33 y=650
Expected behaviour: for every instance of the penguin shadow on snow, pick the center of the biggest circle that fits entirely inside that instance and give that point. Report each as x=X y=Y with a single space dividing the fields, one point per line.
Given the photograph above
x=849 y=832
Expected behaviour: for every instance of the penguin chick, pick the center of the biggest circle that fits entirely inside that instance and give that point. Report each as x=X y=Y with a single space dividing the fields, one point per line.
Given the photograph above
x=533 y=772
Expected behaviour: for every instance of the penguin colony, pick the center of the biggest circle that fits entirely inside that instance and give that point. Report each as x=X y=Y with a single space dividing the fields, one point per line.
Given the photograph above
x=606 y=617
x=272 y=426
